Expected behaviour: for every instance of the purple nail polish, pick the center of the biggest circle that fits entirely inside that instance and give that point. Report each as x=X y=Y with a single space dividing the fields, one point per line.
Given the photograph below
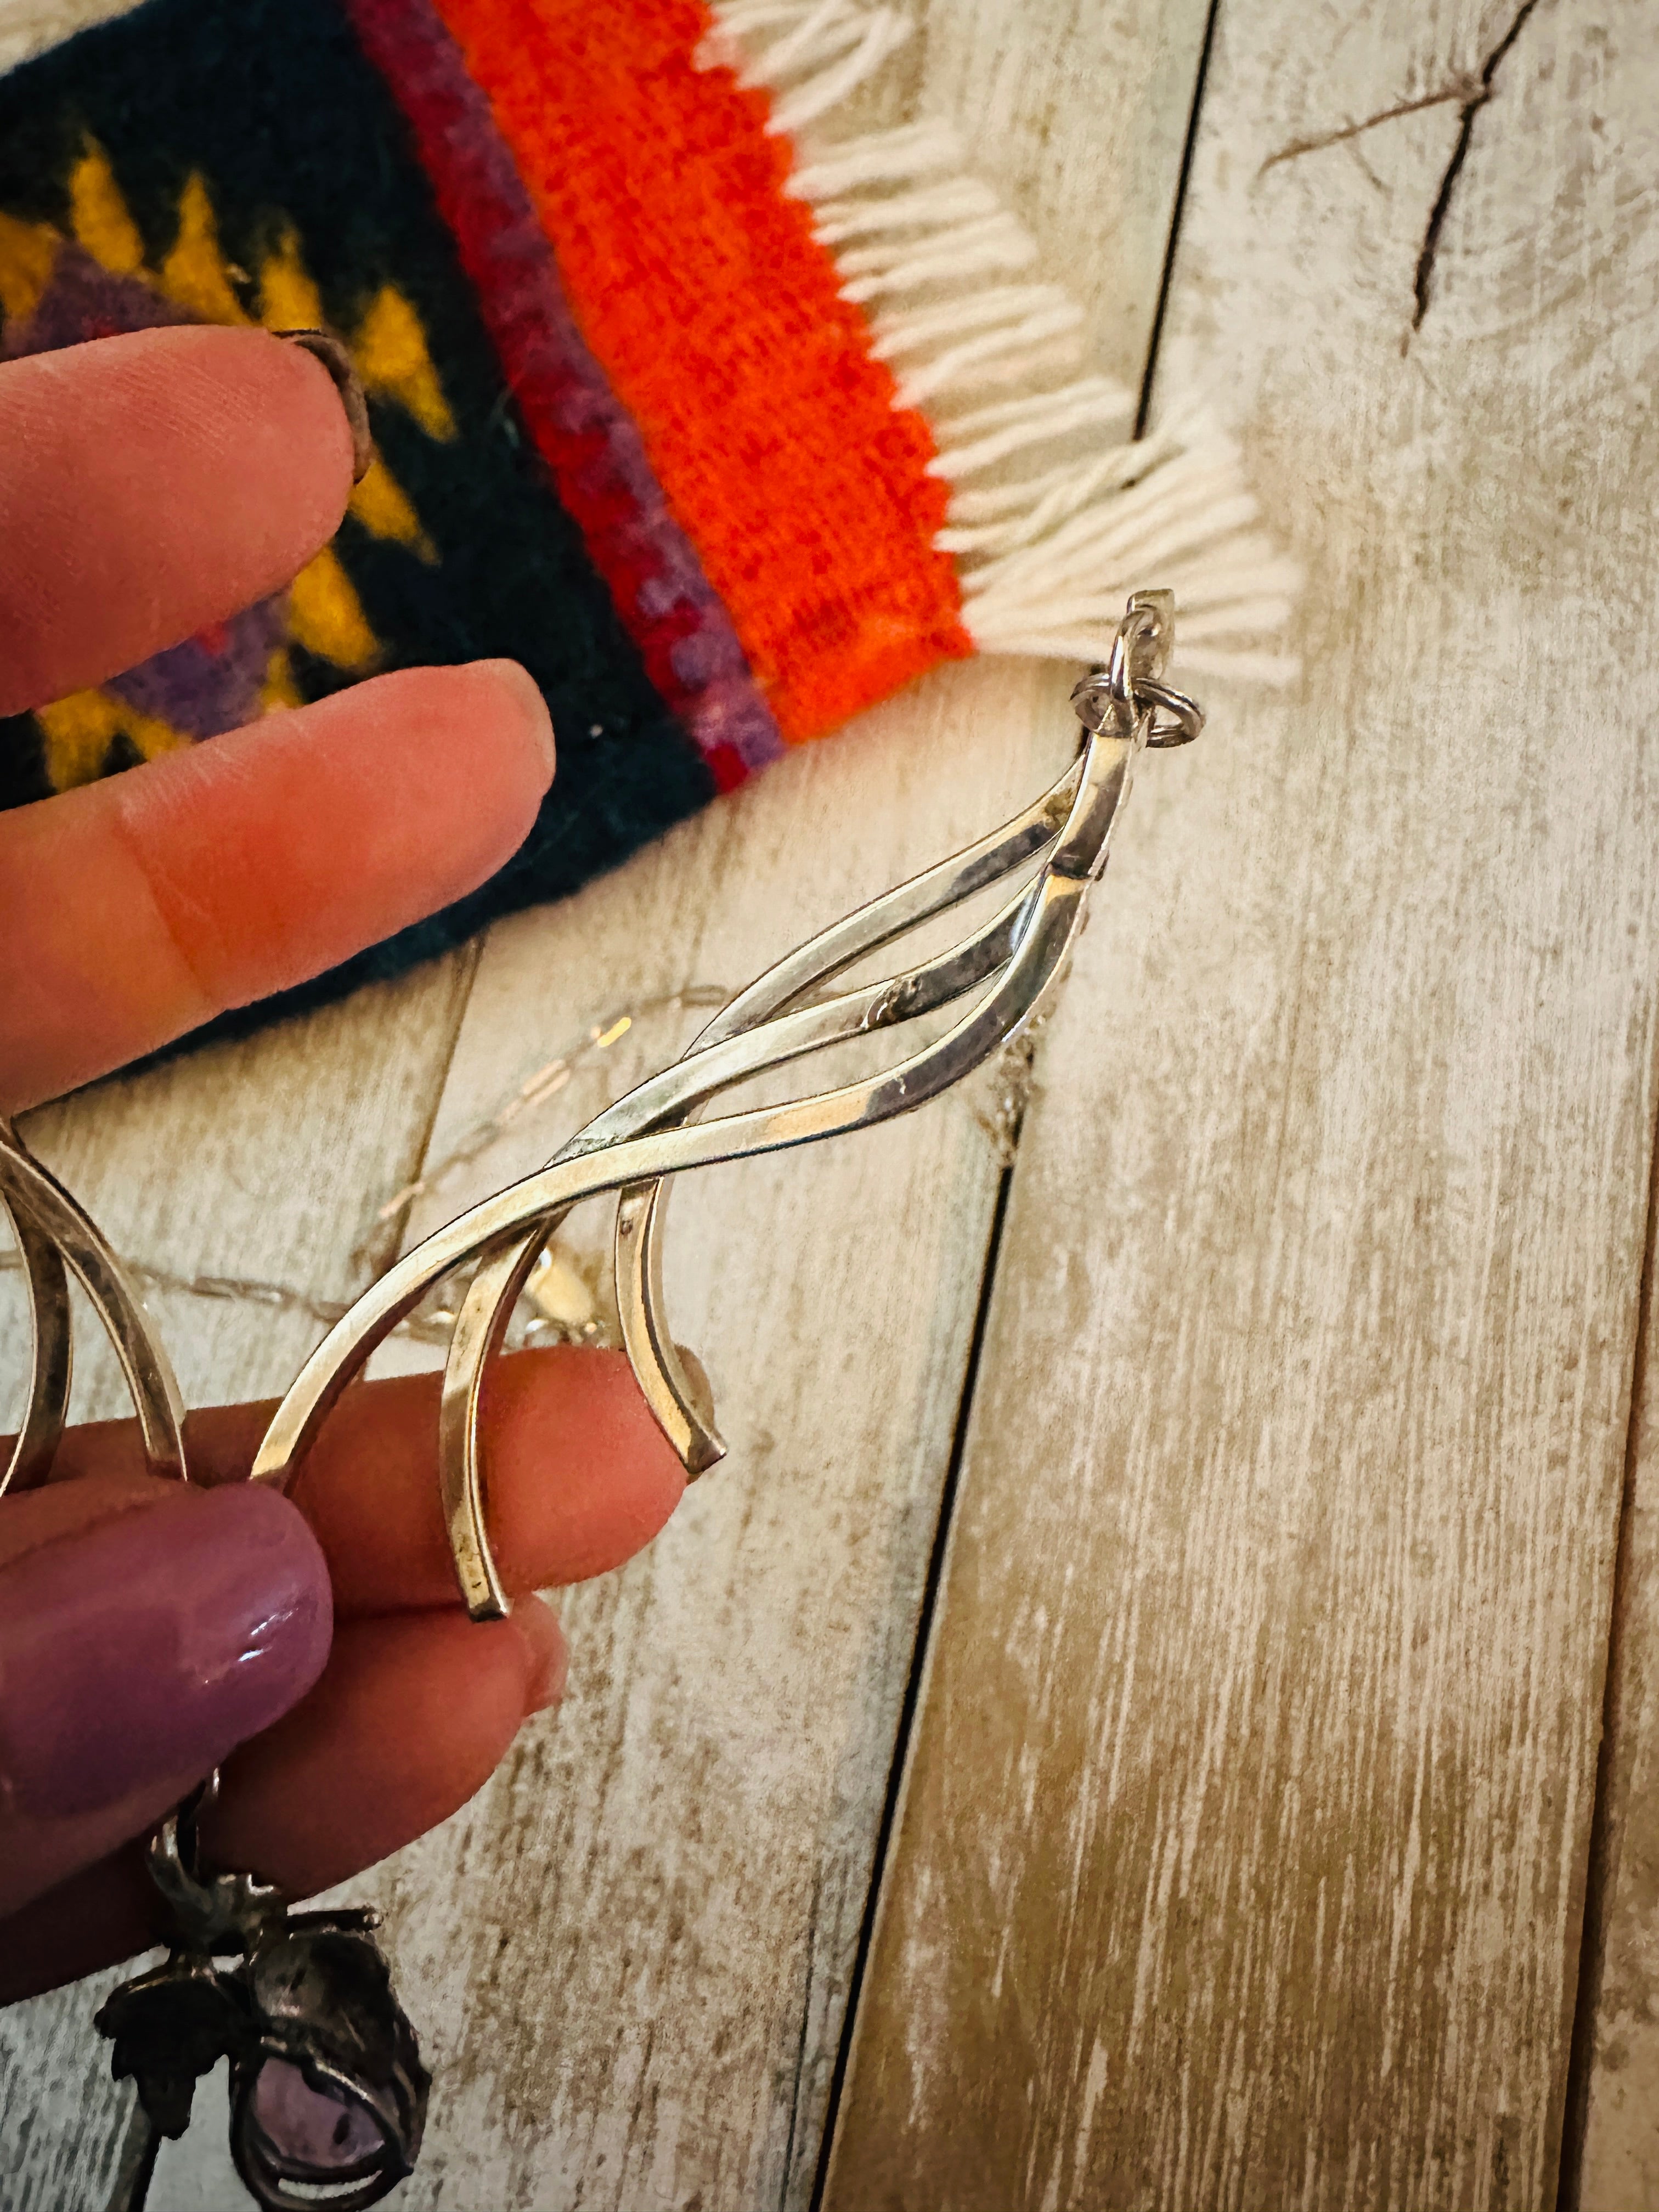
x=153 y=1644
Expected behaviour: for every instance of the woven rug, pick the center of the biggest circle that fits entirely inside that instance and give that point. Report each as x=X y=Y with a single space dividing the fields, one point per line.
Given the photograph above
x=724 y=420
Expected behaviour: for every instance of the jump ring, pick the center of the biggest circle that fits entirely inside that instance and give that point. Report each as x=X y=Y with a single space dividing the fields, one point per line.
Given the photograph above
x=1181 y=719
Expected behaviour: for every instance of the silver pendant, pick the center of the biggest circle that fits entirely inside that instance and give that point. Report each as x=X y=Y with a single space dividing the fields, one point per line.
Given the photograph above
x=327 y=2091
x=1059 y=846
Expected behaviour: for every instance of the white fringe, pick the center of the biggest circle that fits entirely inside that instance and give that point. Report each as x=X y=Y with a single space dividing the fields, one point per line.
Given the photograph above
x=958 y=200
x=820 y=52
x=1022 y=328
x=885 y=157
x=1057 y=512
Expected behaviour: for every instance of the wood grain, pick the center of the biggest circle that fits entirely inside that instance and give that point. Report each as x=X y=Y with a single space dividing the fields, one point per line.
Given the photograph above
x=1242 y=1856
x=1618 y=2170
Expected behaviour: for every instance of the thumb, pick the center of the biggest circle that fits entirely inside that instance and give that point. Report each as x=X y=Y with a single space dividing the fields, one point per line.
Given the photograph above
x=146 y=1628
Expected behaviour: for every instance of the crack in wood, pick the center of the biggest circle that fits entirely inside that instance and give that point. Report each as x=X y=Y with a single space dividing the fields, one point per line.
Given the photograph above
x=1472 y=106
x=910 y=1706
x=813 y=1920
x=1466 y=88
x=1606 y=1813
x=1177 y=208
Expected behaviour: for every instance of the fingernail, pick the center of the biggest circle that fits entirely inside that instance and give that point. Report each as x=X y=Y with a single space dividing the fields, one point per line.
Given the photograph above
x=339 y=364
x=543 y=1639
x=152 y=1643
x=518 y=678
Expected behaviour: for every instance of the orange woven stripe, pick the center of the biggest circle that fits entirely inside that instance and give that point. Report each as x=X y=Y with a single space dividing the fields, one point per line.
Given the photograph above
x=776 y=437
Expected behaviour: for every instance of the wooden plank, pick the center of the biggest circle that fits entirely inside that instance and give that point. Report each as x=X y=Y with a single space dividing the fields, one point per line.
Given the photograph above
x=630 y=1955
x=1242 y=1856
x=1079 y=112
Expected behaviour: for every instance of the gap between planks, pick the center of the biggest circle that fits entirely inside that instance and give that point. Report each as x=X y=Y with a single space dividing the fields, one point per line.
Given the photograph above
x=1610 y=2157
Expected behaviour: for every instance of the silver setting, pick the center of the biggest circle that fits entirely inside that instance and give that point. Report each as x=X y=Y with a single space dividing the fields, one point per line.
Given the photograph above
x=328 y=2094
x=58 y=1238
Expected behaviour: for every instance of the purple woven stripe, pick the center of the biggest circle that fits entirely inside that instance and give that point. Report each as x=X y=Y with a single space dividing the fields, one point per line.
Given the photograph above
x=598 y=460
x=212 y=683
x=84 y=301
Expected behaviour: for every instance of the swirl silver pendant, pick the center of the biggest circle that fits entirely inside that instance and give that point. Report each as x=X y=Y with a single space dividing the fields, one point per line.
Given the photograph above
x=634 y=1146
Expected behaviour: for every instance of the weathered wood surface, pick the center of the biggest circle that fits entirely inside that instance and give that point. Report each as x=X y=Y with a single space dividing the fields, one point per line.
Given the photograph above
x=1242 y=1854
x=682 y=1858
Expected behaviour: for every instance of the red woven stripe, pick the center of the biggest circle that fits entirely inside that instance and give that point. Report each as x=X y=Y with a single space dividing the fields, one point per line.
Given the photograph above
x=594 y=450
x=776 y=434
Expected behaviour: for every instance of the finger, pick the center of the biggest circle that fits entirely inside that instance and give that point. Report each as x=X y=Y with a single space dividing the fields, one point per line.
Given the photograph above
x=410 y=1719
x=146 y=1628
x=155 y=483
x=134 y=908
x=581 y=1477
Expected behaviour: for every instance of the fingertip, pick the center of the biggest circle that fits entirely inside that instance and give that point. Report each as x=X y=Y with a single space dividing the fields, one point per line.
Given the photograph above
x=141 y=906
x=546 y=1655
x=517 y=683
x=585 y=1477
x=579 y=1476
x=292 y=394
x=409 y=1721
x=335 y=359
x=139 y=1646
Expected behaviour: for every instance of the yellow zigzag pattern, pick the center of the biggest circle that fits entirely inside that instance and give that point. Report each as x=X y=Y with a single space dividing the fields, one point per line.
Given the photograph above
x=79 y=730
x=389 y=349
x=27 y=251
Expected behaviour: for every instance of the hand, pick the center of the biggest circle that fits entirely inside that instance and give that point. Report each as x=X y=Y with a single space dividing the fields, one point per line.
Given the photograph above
x=314 y=1647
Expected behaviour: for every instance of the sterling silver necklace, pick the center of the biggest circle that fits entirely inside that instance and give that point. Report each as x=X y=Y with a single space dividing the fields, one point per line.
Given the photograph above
x=328 y=2093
